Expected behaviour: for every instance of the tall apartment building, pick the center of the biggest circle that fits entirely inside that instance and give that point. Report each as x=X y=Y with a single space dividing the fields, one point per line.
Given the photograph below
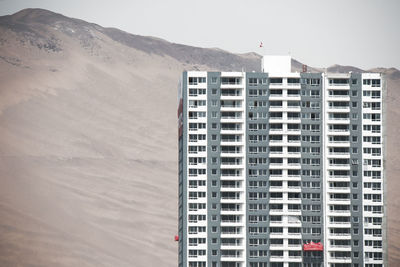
x=281 y=168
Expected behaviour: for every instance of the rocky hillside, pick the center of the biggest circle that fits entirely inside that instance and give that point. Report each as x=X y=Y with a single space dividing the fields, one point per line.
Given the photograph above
x=88 y=142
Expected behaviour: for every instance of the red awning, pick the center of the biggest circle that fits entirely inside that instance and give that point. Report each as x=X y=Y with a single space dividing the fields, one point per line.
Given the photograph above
x=313 y=246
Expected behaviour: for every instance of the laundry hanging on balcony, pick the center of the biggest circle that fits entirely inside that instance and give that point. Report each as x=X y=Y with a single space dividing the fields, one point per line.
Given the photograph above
x=313 y=246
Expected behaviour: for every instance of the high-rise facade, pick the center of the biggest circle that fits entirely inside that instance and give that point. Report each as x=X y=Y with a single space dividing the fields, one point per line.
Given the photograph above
x=281 y=168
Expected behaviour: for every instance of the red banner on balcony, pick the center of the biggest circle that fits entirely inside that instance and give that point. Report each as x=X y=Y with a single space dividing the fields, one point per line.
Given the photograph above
x=176 y=238
x=313 y=246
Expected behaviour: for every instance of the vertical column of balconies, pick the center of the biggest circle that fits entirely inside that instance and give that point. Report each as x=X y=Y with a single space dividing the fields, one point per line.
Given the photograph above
x=213 y=168
x=284 y=170
x=257 y=169
x=232 y=168
x=373 y=201
x=312 y=165
x=182 y=171
x=356 y=168
x=196 y=169
x=338 y=171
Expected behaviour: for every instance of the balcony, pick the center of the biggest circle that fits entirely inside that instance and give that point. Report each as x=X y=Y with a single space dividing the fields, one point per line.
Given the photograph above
x=231 y=80
x=339 y=189
x=276 y=211
x=231 y=210
x=231 y=243
x=275 y=108
x=228 y=104
x=339 y=212
x=229 y=196
x=230 y=128
x=231 y=138
x=230 y=255
x=275 y=118
x=231 y=92
x=231 y=115
x=230 y=152
x=231 y=219
x=230 y=233
x=339 y=247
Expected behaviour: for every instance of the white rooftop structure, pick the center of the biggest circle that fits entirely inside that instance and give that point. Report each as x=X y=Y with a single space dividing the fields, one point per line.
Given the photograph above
x=277 y=65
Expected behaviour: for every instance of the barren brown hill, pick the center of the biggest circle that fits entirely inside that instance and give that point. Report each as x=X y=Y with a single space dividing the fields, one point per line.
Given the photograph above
x=88 y=142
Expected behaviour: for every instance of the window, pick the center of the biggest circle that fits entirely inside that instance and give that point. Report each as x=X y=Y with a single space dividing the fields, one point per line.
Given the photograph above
x=231 y=80
x=196 y=80
x=312 y=82
x=376 y=82
x=353 y=81
x=193 y=80
x=372 y=94
x=214 y=91
x=354 y=93
x=253 y=81
x=214 y=80
x=197 y=103
x=293 y=80
x=275 y=80
x=338 y=81
x=366 y=81
x=192 y=92
x=315 y=93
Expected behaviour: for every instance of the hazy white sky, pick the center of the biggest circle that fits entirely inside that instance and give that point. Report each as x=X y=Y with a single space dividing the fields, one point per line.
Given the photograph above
x=362 y=33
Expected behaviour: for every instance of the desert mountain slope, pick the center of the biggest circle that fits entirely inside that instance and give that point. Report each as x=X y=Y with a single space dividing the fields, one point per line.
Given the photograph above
x=88 y=142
